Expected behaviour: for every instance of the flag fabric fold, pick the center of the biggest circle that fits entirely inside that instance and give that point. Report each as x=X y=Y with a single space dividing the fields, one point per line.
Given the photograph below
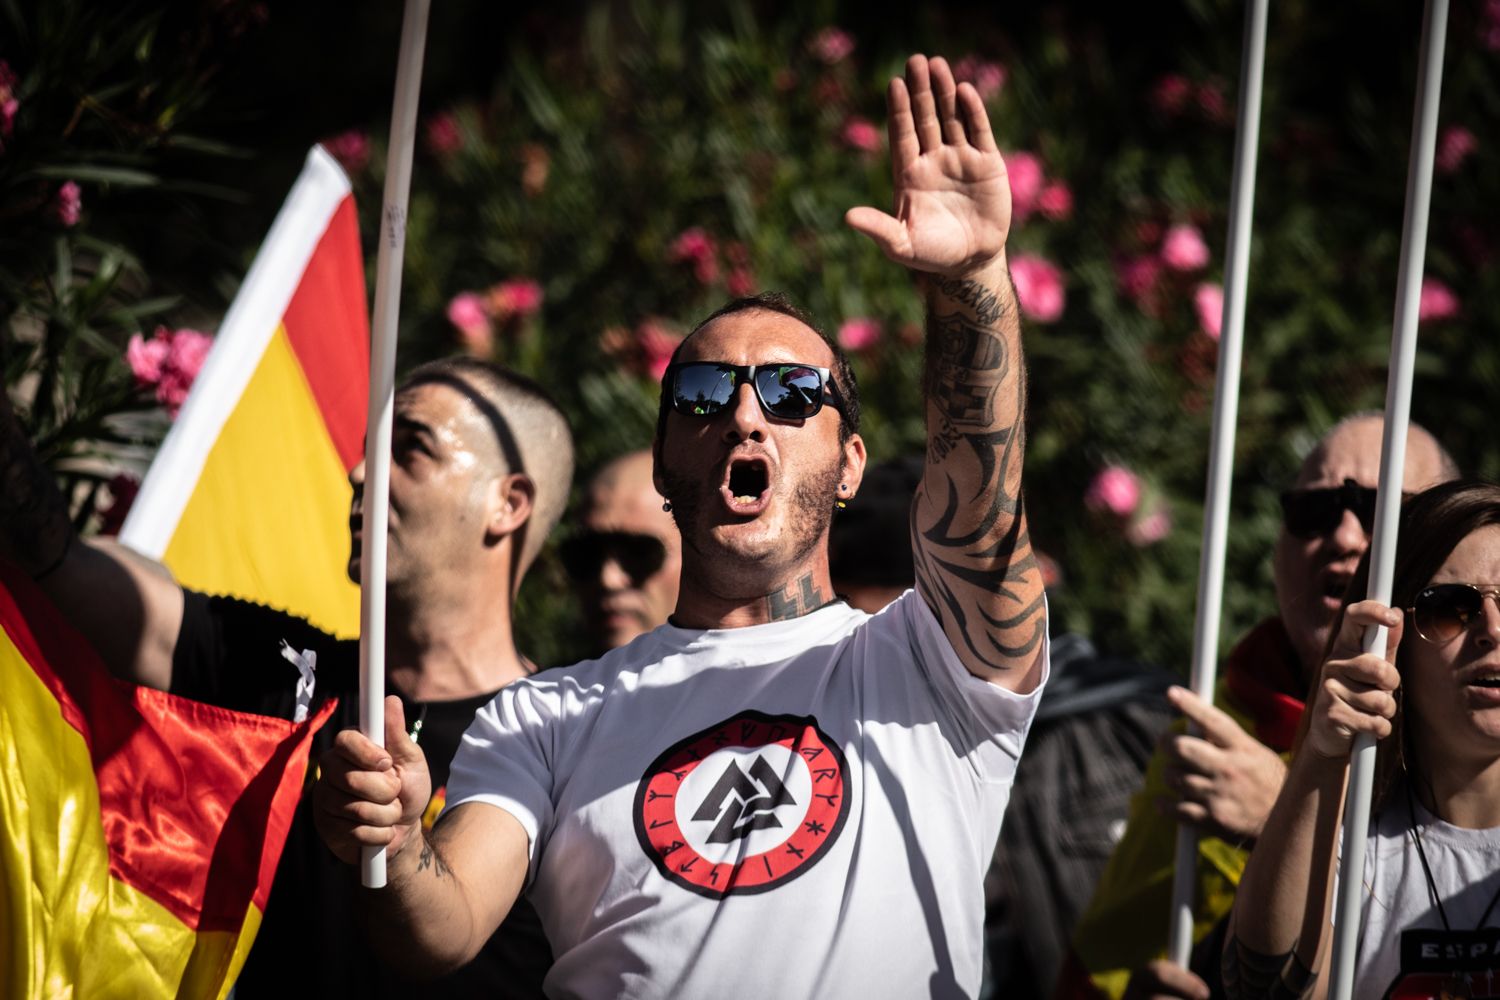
x=142 y=829
x=248 y=495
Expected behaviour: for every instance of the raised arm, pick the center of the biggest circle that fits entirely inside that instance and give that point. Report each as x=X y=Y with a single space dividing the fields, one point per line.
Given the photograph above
x=1278 y=940
x=974 y=564
x=128 y=607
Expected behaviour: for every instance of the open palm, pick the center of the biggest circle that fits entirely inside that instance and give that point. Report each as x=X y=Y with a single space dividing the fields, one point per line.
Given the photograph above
x=952 y=211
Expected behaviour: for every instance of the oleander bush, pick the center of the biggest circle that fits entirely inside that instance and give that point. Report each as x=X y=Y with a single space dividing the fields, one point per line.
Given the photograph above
x=612 y=172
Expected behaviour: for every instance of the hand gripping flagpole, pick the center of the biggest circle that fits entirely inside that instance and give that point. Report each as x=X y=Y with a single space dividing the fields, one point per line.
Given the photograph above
x=1392 y=463
x=1221 y=447
x=382 y=397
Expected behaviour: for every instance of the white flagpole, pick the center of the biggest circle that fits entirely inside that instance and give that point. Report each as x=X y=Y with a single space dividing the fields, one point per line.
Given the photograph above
x=1392 y=467
x=1221 y=447
x=382 y=396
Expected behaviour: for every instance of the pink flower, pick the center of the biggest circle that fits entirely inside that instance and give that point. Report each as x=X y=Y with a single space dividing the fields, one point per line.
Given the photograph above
x=1213 y=104
x=69 y=203
x=1115 y=490
x=1170 y=95
x=185 y=357
x=1455 y=145
x=467 y=314
x=1056 y=201
x=691 y=244
x=1150 y=529
x=169 y=361
x=516 y=297
x=987 y=77
x=1026 y=182
x=1183 y=249
x=861 y=134
x=656 y=341
x=741 y=282
x=146 y=357
x=1437 y=303
x=443 y=135
x=1039 y=287
x=832 y=45
x=1137 y=276
x=858 y=334
x=1208 y=301
x=351 y=149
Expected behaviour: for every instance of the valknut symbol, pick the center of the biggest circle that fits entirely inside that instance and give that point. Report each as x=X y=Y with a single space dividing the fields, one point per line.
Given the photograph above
x=743 y=806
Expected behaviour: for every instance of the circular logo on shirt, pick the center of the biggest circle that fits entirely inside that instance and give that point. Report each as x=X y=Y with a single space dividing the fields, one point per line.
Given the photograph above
x=744 y=805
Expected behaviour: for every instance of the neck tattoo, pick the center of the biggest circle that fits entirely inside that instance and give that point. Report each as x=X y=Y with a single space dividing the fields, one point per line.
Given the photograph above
x=796 y=599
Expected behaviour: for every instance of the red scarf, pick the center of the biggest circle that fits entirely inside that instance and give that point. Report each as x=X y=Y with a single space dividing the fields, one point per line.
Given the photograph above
x=1264 y=678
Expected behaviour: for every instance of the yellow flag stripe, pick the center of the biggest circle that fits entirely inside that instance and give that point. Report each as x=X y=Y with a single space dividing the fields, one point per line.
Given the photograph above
x=281 y=494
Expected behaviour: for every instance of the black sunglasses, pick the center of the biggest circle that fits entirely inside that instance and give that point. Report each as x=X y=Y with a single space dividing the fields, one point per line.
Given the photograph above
x=584 y=555
x=786 y=390
x=1442 y=613
x=1310 y=513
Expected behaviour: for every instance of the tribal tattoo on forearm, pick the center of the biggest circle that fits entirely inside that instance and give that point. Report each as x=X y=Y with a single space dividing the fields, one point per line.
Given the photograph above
x=1252 y=975
x=979 y=541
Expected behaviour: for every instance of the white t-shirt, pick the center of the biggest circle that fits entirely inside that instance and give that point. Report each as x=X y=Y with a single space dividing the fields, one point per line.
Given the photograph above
x=1403 y=948
x=803 y=808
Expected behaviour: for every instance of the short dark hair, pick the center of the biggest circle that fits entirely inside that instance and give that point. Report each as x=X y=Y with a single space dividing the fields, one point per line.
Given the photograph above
x=1432 y=524
x=778 y=302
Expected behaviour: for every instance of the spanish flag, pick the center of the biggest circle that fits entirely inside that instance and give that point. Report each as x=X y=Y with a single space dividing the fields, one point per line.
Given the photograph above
x=141 y=830
x=248 y=495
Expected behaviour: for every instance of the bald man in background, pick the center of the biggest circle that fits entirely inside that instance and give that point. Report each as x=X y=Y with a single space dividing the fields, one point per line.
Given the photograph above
x=626 y=556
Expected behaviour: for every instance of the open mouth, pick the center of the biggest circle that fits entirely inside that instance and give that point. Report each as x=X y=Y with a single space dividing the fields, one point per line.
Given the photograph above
x=746 y=488
x=1493 y=683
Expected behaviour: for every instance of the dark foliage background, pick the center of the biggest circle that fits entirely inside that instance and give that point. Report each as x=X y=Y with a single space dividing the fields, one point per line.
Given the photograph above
x=567 y=149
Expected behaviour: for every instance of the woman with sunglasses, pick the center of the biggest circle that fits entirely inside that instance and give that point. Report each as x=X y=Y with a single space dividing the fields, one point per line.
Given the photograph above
x=1429 y=924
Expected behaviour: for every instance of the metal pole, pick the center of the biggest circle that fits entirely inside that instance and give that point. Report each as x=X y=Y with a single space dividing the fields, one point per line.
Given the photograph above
x=1392 y=467
x=376 y=509
x=1221 y=447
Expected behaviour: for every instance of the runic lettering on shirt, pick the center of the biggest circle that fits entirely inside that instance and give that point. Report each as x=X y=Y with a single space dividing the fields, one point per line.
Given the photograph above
x=815 y=828
x=747 y=730
x=810 y=753
x=721 y=738
x=687 y=865
x=679 y=775
x=675 y=845
x=743 y=803
x=658 y=795
x=825 y=774
x=658 y=824
x=792 y=849
x=832 y=800
x=767 y=862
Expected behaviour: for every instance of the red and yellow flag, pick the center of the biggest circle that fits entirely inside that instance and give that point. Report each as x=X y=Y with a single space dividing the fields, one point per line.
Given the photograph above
x=248 y=495
x=141 y=830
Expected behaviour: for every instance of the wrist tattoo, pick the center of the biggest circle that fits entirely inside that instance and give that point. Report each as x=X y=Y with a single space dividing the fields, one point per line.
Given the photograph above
x=1252 y=975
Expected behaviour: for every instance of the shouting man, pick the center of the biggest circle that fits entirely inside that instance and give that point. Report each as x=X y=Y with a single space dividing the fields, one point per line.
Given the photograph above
x=772 y=794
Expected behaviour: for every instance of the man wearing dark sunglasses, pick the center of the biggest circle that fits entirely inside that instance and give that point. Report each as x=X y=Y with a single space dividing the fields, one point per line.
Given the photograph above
x=1225 y=780
x=626 y=556
x=773 y=794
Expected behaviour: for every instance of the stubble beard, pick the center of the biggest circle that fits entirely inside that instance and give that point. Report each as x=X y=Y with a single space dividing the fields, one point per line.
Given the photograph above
x=809 y=509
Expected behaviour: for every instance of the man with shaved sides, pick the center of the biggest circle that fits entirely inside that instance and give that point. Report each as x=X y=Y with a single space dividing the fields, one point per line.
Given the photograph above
x=773 y=794
x=482 y=461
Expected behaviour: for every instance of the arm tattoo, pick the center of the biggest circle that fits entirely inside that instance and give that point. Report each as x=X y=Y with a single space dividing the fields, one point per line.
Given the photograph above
x=430 y=858
x=33 y=512
x=795 y=599
x=978 y=547
x=1252 y=975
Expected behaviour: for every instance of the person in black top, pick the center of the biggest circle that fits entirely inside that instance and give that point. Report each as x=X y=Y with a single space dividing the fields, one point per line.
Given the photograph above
x=481 y=467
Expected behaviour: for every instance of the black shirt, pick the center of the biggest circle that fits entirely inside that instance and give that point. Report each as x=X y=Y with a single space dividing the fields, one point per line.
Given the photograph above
x=310 y=943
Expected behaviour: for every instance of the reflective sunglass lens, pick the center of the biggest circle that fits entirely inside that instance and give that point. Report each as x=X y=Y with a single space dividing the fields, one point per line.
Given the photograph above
x=702 y=390
x=1441 y=613
x=790 y=391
